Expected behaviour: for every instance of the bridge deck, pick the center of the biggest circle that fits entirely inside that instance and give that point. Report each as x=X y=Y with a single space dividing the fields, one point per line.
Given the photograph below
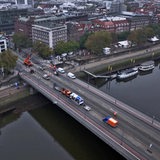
x=133 y=136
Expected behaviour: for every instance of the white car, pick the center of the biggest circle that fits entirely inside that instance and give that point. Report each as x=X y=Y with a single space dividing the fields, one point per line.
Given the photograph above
x=61 y=70
x=87 y=108
x=71 y=75
x=46 y=76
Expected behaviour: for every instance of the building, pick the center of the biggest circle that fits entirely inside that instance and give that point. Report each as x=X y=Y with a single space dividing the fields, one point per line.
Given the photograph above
x=26 y=2
x=49 y=33
x=8 y=18
x=3 y=44
x=23 y=25
x=115 y=6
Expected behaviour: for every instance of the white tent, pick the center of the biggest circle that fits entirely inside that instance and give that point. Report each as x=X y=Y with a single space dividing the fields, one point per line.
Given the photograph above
x=154 y=39
x=124 y=44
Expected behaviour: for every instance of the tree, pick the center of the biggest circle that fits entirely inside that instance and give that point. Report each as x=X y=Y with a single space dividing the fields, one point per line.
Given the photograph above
x=138 y=37
x=122 y=36
x=63 y=47
x=156 y=29
x=7 y=61
x=97 y=41
x=83 y=40
x=60 y=47
x=149 y=32
x=21 y=41
x=43 y=50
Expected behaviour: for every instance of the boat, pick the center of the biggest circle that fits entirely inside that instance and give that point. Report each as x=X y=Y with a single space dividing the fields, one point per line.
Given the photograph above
x=147 y=66
x=127 y=73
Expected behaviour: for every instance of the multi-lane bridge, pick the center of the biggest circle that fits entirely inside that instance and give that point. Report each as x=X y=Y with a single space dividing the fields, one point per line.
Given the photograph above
x=137 y=136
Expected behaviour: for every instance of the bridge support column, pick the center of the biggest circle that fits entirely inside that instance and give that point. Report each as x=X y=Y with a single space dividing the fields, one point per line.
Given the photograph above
x=32 y=91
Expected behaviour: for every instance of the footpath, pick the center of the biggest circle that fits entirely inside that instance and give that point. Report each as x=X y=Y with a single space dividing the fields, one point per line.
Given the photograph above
x=119 y=58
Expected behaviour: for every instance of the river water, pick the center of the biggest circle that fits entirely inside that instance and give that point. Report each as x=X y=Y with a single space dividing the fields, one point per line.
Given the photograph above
x=51 y=134
x=142 y=92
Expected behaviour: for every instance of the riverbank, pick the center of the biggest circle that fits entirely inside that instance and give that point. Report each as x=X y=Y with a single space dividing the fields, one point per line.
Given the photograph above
x=113 y=63
x=20 y=99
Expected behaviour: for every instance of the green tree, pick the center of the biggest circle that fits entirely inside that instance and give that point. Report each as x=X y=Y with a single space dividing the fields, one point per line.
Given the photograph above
x=97 y=41
x=42 y=49
x=156 y=29
x=7 y=61
x=149 y=32
x=60 y=48
x=138 y=37
x=122 y=36
x=83 y=40
x=21 y=41
x=63 y=47
x=72 y=46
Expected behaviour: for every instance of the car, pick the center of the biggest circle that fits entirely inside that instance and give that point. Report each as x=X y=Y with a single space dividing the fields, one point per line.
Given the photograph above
x=61 y=70
x=42 y=68
x=57 y=88
x=70 y=53
x=71 y=75
x=63 y=55
x=87 y=108
x=56 y=73
x=32 y=71
x=46 y=76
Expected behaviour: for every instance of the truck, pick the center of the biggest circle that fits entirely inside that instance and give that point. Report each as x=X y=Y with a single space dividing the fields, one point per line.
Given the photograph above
x=77 y=98
x=66 y=92
x=27 y=61
x=111 y=121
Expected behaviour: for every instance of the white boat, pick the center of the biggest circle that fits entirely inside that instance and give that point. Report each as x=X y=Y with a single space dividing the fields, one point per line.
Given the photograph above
x=147 y=66
x=127 y=73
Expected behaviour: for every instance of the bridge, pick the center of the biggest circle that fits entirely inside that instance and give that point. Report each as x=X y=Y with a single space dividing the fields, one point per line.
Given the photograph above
x=137 y=136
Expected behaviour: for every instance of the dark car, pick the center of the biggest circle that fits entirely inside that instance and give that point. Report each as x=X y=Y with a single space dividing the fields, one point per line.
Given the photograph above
x=32 y=71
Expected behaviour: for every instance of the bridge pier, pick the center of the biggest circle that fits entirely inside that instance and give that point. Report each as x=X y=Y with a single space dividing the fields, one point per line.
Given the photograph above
x=32 y=90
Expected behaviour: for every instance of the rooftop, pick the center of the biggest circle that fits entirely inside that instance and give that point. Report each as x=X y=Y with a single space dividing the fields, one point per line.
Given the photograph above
x=49 y=25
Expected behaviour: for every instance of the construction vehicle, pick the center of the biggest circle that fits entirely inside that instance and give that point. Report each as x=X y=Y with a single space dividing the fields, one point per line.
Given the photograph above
x=111 y=121
x=66 y=92
x=27 y=61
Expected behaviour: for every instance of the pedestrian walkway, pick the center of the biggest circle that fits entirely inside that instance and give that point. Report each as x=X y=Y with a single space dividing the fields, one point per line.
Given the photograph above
x=109 y=60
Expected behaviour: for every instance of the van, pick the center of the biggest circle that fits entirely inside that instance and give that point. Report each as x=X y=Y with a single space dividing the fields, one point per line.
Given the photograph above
x=71 y=75
x=61 y=70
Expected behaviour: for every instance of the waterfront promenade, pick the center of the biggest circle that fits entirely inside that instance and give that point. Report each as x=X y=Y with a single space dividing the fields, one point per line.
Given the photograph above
x=109 y=60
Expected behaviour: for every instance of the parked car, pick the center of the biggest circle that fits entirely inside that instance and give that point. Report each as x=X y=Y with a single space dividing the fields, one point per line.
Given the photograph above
x=61 y=70
x=71 y=75
x=46 y=76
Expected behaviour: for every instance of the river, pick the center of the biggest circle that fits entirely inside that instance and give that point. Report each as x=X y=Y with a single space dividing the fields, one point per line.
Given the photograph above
x=141 y=92
x=51 y=134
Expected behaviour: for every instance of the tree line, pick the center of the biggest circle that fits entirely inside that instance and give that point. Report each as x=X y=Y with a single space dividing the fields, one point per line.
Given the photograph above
x=93 y=42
